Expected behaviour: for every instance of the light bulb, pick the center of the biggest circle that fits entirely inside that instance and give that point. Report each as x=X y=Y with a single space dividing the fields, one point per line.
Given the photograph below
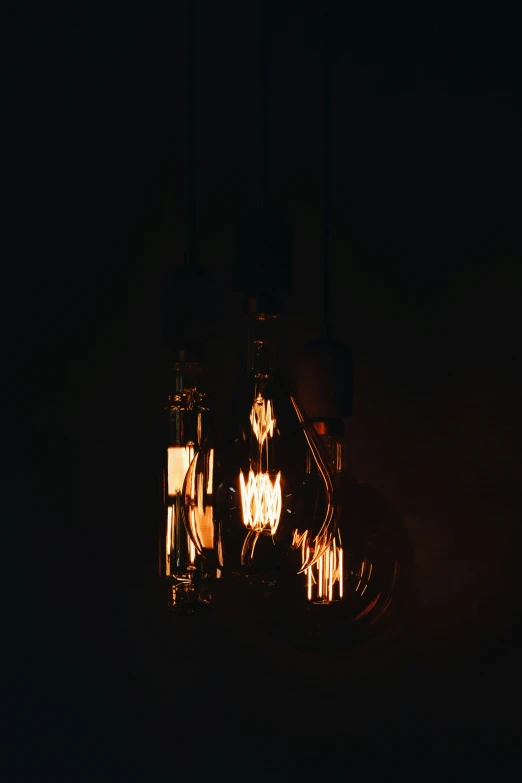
x=375 y=542
x=360 y=581
x=180 y=566
x=259 y=495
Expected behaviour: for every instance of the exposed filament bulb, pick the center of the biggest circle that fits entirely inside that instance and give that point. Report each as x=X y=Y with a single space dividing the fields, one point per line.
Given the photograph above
x=261 y=500
x=262 y=419
x=261 y=494
x=324 y=579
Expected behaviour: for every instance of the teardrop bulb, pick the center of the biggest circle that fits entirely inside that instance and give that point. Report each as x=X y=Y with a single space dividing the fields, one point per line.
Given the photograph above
x=259 y=495
x=360 y=581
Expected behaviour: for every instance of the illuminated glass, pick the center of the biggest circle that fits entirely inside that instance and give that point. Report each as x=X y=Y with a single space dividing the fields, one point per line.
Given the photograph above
x=259 y=496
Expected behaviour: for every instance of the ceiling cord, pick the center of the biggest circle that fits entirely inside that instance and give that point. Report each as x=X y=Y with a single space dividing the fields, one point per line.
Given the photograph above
x=191 y=187
x=327 y=171
x=266 y=99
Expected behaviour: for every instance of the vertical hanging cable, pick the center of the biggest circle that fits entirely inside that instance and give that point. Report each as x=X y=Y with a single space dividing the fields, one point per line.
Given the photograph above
x=327 y=169
x=266 y=98
x=191 y=191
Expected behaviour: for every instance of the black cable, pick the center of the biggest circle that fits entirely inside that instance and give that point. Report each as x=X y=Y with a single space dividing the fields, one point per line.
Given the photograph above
x=266 y=99
x=191 y=188
x=327 y=170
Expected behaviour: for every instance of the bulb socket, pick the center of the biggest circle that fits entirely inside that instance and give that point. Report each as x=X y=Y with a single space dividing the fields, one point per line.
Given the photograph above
x=334 y=427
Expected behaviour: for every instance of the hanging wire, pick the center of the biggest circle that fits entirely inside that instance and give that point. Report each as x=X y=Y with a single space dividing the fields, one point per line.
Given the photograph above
x=266 y=98
x=191 y=190
x=327 y=169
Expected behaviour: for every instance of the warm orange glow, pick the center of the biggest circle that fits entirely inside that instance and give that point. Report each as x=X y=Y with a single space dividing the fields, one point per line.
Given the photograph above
x=262 y=419
x=261 y=500
x=330 y=558
x=383 y=610
x=192 y=482
x=328 y=570
x=261 y=494
x=178 y=461
x=192 y=551
x=310 y=577
x=300 y=539
x=219 y=547
x=324 y=537
x=210 y=471
x=199 y=515
x=368 y=608
x=205 y=519
x=169 y=546
x=321 y=427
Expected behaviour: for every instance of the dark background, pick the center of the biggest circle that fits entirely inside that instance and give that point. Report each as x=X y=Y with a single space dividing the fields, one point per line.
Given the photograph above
x=425 y=253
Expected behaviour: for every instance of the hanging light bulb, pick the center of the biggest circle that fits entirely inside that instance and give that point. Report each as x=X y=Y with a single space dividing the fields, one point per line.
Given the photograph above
x=325 y=380
x=259 y=495
x=355 y=581
x=259 y=498
x=372 y=539
x=361 y=579
x=179 y=564
x=357 y=588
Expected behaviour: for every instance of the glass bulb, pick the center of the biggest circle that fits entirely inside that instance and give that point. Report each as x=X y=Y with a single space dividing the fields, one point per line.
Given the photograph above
x=180 y=566
x=259 y=496
x=358 y=582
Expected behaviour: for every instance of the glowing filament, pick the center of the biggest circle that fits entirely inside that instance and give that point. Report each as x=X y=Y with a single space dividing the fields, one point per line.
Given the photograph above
x=261 y=500
x=204 y=519
x=329 y=571
x=210 y=476
x=200 y=513
x=262 y=419
x=168 y=548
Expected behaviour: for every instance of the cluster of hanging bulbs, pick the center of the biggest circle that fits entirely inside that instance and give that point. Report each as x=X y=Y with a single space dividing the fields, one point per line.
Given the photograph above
x=263 y=502
x=262 y=477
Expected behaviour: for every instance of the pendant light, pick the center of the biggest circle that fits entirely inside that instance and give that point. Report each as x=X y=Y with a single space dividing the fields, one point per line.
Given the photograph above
x=260 y=497
x=188 y=322
x=361 y=578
